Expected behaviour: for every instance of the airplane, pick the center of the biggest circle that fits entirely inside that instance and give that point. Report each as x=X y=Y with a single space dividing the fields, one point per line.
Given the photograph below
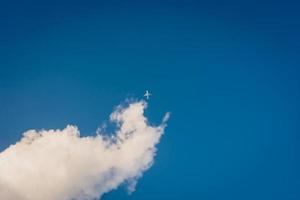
x=147 y=94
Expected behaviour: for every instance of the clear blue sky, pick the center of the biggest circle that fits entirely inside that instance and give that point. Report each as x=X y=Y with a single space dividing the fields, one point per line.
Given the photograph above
x=227 y=70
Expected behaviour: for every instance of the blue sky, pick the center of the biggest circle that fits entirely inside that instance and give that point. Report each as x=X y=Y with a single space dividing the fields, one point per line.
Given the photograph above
x=228 y=71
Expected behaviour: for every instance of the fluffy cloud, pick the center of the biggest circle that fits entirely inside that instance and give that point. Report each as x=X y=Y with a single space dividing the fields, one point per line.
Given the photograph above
x=61 y=165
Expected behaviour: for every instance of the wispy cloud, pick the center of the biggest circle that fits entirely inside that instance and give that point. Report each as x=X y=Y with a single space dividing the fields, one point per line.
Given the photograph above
x=61 y=165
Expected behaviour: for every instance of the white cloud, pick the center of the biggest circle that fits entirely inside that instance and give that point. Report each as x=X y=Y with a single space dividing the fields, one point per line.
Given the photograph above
x=61 y=165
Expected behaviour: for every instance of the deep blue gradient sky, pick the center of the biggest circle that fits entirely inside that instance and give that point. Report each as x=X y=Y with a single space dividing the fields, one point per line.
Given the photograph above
x=227 y=70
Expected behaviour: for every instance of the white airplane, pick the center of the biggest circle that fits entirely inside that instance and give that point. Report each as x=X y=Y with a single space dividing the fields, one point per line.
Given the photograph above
x=147 y=94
